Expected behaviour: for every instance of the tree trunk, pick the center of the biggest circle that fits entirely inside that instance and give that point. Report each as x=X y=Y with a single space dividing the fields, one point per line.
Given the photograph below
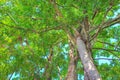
x=71 y=75
x=86 y=59
x=86 y=76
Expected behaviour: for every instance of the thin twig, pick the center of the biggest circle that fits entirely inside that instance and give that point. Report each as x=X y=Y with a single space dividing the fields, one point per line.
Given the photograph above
x=94 y=14
x=11 y=76
x=107 y=49
x=59 y=72
x=111 y=22
x=105 y=43
x=117 y=45
x=12 y=18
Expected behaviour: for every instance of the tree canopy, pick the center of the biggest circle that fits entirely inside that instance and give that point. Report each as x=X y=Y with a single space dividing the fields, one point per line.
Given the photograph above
x=36 y=38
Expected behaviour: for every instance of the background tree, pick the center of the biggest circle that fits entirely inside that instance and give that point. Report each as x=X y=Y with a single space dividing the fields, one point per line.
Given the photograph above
x=53 y=39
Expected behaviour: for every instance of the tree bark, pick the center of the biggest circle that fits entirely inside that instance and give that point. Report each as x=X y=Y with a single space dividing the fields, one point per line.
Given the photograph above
x=85 y=75
x=86 y=59
x=71 y=75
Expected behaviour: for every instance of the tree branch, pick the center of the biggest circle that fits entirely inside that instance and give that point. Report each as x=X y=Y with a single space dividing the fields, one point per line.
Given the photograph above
x=105 y=59
x=12 y=18
x=115 y=46
x=95 y=13
x=105 y=25
x=111 y=22
x=107 y=49
x=59 y=72
x=109 y=8
x=32 y=30
x=11 y=76
x=96 y=34
x=56 y=8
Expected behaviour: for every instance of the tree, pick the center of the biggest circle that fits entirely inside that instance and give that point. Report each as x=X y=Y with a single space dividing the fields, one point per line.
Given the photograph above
x=59 y=39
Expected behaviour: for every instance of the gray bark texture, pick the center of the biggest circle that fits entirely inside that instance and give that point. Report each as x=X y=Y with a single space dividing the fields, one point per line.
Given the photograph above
x=87 y=60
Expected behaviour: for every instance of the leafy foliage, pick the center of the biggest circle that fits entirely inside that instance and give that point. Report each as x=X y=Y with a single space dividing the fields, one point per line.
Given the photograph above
x=29 y=29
